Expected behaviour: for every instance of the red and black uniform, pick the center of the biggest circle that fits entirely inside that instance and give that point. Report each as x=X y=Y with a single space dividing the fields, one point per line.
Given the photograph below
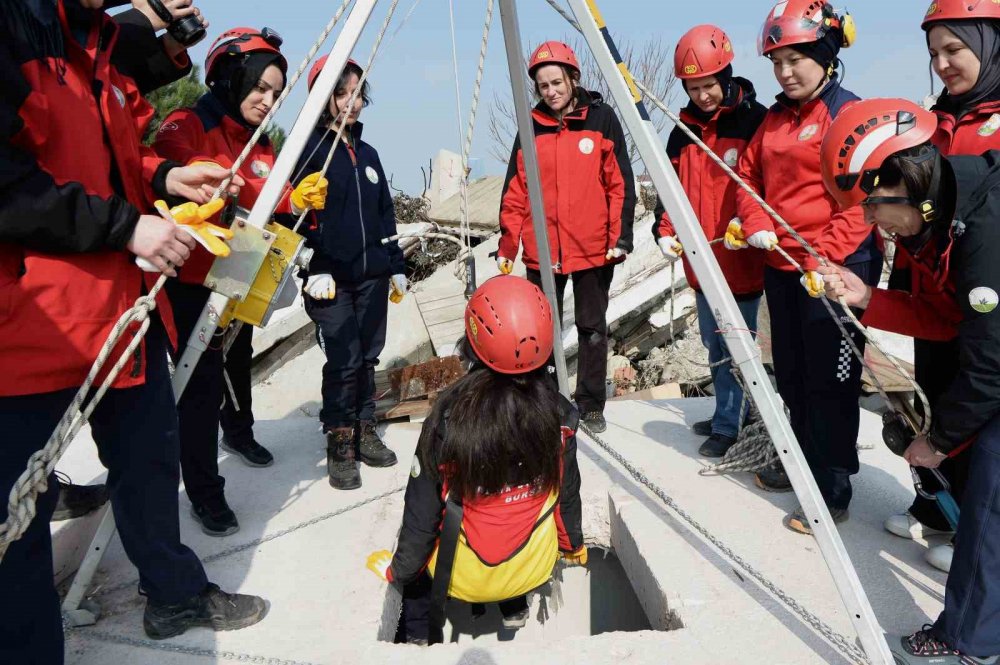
x=145 y=57
x=975 y=132
x=711 y=191
x=589 y=194
x=74 y=179
x=818 y=376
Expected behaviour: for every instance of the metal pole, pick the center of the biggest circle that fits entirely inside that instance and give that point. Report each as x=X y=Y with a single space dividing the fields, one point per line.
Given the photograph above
x=273 y=189
x=727 y=314
x=526 y=133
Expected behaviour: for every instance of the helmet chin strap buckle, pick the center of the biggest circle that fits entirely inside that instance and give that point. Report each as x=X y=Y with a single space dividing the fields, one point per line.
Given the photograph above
x=928 y=211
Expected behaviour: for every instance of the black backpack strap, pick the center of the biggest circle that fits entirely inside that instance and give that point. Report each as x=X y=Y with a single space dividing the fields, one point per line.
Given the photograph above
x=447 y=545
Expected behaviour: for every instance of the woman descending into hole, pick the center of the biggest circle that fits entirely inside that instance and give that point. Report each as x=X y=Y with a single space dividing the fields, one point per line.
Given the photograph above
x=493 y=498
x=589 y=197
x=347 y=239
x=724 y=110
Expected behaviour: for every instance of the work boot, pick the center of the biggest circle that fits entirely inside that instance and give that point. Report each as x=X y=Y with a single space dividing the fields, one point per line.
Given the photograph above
x=716 y=445
x=341 y=463
x=773 y=479
x=517 y=620
x=923 y=647
x=797 y=520
x=702 y=427
x=251 y=452
x=373 y=449
x=215 y=517
x=595 y=422
x=212 y=608
x=78 y=500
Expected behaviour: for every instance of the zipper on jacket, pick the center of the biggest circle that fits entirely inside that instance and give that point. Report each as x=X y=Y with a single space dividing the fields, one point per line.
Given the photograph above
x=559 y=253
x=361 y=215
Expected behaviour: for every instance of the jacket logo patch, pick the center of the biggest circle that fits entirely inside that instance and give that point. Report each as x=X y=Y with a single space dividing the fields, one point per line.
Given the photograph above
x=991 y=126
x=415 y=467
x=808 y=132
x=372 y=175
x=168 y=127
x=983 y=299
x=260 y=169
x=732 y=157
x=119 y=95
x=586 y=146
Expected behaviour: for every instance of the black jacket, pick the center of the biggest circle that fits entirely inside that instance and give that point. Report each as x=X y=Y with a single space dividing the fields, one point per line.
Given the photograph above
x=973 y=398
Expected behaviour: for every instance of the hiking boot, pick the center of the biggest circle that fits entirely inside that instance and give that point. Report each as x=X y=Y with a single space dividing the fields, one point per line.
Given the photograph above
x=517 y=620
x=773 y=479
x=923 y=647
x=797 y=520
x=702 y=427
x=212 y=608
x=716 y=445
x=215 y=517
x=341 y=464
x=595 y=422
x=907 y=526
x=78 y=500
x=251 y=452
x=373 y=449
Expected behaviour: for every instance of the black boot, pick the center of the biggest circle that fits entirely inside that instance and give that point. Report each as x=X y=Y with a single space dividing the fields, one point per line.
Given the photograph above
x=251 y=452
x=212 y=608
x=341 y=463
x=78 y=500
x=373 y=449
x=773 y=479
x=215 y=517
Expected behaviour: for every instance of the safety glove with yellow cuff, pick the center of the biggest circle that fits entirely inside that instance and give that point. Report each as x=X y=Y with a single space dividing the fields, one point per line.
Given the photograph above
x=505 y=265
x=378 y=562
x=321 y=287
x=735 y=239
x=577 y=558
x=813 y=283
x=397 y=288
x=614 y=254
x=670 y=247
x=193 y=219
x=310 y=194
x=766 y=240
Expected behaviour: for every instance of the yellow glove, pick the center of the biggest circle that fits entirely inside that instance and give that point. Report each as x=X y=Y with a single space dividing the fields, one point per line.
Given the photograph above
x=813 y=283
x=378 y=562
x=577 y=558
x=397 y=288
x=193 y=218
x=506 y=266
x=310 y=193
x=735 y=238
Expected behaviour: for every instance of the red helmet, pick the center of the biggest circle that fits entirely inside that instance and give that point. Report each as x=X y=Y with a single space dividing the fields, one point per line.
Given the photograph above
x=318 y=67
x=508 y=322
x=552 y=53
x=863 y=136
x=953 y=10
x=239 y=41
x=702 y=51
x=794 y=22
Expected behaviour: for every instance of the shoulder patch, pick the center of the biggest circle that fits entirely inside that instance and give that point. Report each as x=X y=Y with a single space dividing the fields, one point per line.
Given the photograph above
x=372 y=175
x=415 y=467
x=731 y=158
x=983 y=299
x=586 y=146
x=168 y=127
x=260 y=168
x=991 y=126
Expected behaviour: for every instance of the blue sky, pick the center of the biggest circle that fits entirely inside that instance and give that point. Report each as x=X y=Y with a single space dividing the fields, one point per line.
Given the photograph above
x=414 y=111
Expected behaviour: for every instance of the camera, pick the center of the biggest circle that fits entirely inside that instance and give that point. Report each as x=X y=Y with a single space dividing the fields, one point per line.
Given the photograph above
x=187 y=31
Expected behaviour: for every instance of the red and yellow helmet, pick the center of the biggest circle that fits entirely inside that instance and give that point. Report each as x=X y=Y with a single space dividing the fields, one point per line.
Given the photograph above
x=508 y=322
x=794 y=22
x=957 y=10
x=240 y=41
x=863 y=136
x=552 y=53
x=702 y=51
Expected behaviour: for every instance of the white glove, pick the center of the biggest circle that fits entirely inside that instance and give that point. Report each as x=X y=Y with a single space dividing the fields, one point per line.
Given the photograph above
x=397 y=284
x=766 y=240
x=321 y=287
x=813 y=282
x=506 y=266
x=614 y=253
x=670 y=247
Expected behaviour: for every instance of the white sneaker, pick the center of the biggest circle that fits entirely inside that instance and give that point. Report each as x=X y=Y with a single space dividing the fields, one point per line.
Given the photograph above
x=906 y=525
x=940 y=557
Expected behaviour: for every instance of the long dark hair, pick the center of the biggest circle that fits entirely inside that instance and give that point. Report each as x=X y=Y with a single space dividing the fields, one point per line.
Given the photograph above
x=366 y=97
x=500 y=431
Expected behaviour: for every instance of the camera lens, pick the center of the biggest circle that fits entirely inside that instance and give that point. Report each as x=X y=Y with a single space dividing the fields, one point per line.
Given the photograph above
x=187 y=30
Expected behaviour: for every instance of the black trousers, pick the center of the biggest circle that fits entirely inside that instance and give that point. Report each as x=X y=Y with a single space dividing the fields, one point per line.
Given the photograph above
x=590 y=301
x=237 y=419
x=135 y=430
x=818 y=378
x=198 y=408
x=351 y=331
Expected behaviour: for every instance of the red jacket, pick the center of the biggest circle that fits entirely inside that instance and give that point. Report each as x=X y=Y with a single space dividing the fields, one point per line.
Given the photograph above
x=976 y=132
x=587 y=185
x=782 y=165
x=75 y=176
x=206 y=133
x=711 y=191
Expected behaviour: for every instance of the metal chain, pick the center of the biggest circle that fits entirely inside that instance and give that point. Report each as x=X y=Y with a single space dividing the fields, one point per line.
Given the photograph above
x=842 y=642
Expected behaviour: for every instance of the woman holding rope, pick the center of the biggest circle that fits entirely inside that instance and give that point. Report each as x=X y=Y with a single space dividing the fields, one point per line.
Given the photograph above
x=963 y=39
x=350 y=277
x=589 y=196
x=947 y=208
x=818 y=377
x=245 y=72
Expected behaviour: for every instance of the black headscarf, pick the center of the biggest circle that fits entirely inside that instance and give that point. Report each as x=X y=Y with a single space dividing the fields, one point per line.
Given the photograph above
x=983 y=39
x=824 y=50
x=235 y=77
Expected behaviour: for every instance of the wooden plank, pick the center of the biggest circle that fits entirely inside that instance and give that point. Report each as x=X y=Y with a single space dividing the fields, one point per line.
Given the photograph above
x=886 y=373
